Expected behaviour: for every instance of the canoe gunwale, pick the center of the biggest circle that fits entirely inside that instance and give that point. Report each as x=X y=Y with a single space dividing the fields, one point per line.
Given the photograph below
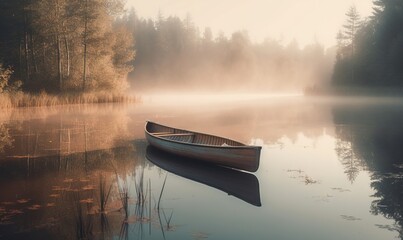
x=244 y=146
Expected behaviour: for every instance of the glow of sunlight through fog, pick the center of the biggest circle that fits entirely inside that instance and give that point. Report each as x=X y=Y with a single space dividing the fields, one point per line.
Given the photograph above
x=306 y=21
x=208 y=98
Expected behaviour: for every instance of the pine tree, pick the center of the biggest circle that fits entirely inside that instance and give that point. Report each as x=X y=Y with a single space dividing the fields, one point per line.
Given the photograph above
x=344 y=68
x=351 y=27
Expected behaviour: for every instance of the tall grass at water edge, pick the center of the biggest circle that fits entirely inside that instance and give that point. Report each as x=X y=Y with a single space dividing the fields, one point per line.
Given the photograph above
x=20 y=99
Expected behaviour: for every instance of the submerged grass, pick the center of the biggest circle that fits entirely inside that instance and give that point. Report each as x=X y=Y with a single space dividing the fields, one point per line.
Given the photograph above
x=20 y=99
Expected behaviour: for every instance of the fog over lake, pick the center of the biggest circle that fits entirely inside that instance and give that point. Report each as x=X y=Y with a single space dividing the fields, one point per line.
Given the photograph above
x=329 y=169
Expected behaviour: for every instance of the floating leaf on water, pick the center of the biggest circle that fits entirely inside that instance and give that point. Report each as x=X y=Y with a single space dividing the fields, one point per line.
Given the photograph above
x=68 y=180
x=350 y=218
x=57 y=188
x=22 y=200
x=8 y=203
x=325 y=198
x=50 y=204
x=73 y=190
x=84 y=180
x=15 y=212
x=89 y=187
x=34 y=207
x=388 y=227
x=340 y=189
x=200 y=235
x=309 y=180
x=54 y=195
x=88 y=200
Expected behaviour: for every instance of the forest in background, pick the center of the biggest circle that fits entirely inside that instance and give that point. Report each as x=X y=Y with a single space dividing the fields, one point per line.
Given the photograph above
x=173 y=53
x=77 y=46
x=64 y=45
x=89 y=45
x=370 y=51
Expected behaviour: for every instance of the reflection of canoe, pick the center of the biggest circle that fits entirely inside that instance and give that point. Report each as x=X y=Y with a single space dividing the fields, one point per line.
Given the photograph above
x=204 y=147
x=242 y=185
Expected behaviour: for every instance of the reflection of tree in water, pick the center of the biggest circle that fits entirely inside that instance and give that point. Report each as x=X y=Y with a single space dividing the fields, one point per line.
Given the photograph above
x=386 y=166
x=5 y=138
x=389 y=196
x=99 y=194
x=347 y=154
x=371 y=137
x=60 y=177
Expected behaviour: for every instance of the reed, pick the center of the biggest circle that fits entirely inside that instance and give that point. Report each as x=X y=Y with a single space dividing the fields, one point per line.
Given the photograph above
x=142 y=195
x=83 y=221
x=124 y=197
x=5 y=101
x=158 y=207
x=139 y=186
x=124 y=231
x=168 y=219
x=162 y=190
x=105 y=228
x=20 y=99
x=104 y=193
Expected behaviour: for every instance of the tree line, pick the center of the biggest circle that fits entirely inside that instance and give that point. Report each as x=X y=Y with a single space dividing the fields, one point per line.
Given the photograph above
x=370 y=52
x=173 y=53
x=86 y=45
x=65 y=45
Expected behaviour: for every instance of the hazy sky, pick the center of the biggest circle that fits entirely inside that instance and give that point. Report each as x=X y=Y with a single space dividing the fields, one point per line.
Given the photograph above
x=304 y=20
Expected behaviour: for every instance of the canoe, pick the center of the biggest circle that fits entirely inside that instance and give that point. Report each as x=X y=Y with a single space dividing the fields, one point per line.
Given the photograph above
x=240 y=184
x=203 y=147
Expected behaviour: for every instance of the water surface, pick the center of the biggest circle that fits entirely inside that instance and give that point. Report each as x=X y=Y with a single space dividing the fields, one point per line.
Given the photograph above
x=330 y=169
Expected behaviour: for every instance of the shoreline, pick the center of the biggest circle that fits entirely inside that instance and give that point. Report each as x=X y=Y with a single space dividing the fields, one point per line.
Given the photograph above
x=355 y=91
x=43 y=99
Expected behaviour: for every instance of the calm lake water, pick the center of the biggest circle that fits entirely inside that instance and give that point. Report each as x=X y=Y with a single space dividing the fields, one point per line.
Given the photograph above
x=330 y=169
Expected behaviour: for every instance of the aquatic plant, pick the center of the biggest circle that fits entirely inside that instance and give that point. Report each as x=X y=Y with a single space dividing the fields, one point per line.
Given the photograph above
x=83 y=221
x=104 y=193
x=124 y=196
x=162 y=190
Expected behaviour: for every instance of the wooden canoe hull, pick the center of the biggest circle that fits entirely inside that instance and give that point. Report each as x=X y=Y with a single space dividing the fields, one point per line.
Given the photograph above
x=242 y=185
x=240 y=156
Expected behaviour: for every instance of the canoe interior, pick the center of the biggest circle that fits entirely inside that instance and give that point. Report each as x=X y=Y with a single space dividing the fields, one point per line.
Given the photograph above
x=185 y=136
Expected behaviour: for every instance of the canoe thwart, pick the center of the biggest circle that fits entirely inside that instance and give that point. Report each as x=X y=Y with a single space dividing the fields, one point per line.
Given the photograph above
x=175 y=134
x=162 y=133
